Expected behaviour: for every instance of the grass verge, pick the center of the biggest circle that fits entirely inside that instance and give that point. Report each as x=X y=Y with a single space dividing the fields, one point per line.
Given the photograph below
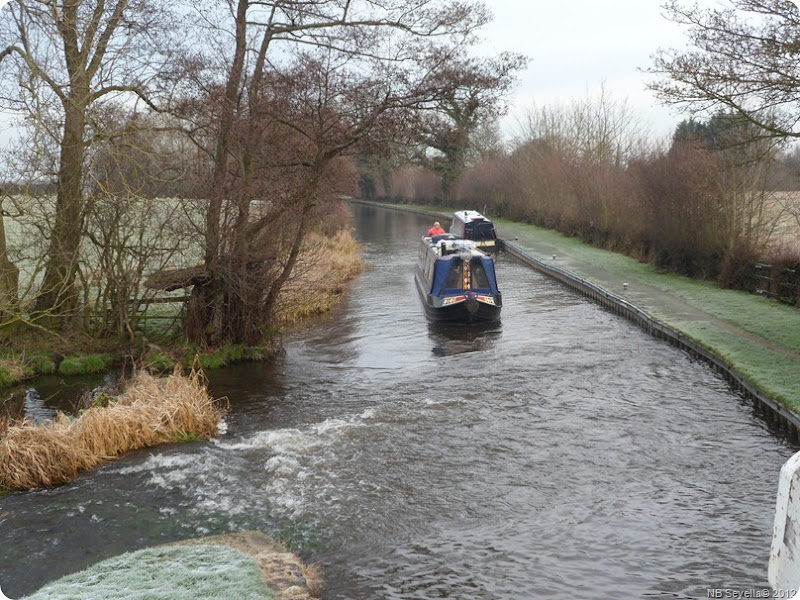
x=85 y=365
x=165 y=573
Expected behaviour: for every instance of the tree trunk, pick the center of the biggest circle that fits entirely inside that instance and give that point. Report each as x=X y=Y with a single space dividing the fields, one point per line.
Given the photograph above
x=9 y=276
x=208 y=303
x=277 y=285
x=58 y=297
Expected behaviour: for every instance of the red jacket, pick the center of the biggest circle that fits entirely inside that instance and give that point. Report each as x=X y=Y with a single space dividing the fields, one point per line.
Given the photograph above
x=436 y=231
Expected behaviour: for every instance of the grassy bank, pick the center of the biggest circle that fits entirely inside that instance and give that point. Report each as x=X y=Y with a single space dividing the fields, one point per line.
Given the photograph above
x=321 y=276
x=325 y=266
x=758 y=337
x=246 y=566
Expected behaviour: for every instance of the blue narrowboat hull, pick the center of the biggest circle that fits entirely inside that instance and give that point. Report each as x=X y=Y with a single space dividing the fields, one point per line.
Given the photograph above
x=466 y=306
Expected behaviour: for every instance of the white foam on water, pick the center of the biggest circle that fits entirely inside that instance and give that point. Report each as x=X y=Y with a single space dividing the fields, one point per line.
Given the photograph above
x=159 y=462
x=207 y=478
x=298 y=465
x=368 y=414
x=275 y=471
x=283 y=466
x=280 y=471
x=262 y=439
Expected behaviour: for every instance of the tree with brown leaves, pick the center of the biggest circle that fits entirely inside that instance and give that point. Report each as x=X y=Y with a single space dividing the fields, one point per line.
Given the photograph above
x=303 y=84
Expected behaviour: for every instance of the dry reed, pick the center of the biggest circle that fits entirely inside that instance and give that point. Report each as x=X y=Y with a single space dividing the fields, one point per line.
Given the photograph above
x=325 y=265
x=151 y=411
x=283 y=571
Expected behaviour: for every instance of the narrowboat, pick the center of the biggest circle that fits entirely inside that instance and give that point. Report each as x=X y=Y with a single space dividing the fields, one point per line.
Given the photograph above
x=456 y=281
x=472 y=225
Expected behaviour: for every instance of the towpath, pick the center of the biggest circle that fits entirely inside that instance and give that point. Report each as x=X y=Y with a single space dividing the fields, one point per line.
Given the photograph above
x=755 y=338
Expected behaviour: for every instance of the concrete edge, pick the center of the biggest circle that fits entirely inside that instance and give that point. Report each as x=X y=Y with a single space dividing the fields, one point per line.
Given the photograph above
x=785 y=419
x=772 y=411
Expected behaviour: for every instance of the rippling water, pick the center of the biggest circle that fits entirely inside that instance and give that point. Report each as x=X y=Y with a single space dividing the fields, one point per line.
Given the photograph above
x=559 y=451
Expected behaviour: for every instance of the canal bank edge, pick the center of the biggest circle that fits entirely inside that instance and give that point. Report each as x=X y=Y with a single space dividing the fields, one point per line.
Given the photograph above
x=248 y=565
x=556 y=260
x=30 y=352
x=785 y=418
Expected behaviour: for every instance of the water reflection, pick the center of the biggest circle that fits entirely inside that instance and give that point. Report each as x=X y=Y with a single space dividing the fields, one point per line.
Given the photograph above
x=57 y=393
x=458 y=338
x=52 y=394
x=35 y=410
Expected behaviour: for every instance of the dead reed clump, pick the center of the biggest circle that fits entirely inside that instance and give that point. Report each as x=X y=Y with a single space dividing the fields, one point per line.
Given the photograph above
x=151 y=411
x=36 y=456
x=325 y=265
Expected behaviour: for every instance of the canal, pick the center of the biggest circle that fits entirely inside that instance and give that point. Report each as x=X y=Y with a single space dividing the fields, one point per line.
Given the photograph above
x=560 y=451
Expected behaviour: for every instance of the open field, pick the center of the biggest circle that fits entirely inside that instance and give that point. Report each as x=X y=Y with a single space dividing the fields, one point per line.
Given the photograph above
x=786 y=208
x=158 y=231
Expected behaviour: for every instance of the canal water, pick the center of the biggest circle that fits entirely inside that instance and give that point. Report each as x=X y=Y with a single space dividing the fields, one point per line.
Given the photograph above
x=558 y=452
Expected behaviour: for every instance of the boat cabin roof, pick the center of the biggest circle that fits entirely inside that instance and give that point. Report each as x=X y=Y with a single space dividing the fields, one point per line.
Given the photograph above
x=447 y=243
x=469 y=215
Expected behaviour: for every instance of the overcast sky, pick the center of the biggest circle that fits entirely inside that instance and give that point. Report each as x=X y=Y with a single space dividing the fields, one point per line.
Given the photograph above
x=577 y=45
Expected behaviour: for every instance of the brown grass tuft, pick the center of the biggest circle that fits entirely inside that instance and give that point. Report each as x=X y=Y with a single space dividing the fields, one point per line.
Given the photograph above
x=283 y=571
x=325 y=265
x=151 y=411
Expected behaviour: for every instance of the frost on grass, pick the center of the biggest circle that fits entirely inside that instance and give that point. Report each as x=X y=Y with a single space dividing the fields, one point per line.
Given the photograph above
x=164 y=573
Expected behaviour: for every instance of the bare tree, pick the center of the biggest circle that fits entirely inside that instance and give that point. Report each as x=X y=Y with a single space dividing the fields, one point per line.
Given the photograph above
x=63 y=64
x=471 y=94
x=742 y=57
x=303 y=83
x=130 y=229
x=577 y=154
x=598 y=129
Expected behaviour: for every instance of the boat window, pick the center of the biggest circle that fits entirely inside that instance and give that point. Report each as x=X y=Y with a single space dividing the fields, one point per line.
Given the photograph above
x=455 y=275
x=479 y=279
x=429 y=265
x=482 y=230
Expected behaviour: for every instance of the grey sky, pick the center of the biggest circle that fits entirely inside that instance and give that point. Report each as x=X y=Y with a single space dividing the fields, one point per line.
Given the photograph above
x=576 y=46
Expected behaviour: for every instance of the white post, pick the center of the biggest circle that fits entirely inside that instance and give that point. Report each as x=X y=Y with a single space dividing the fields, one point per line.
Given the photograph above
x=784 y=556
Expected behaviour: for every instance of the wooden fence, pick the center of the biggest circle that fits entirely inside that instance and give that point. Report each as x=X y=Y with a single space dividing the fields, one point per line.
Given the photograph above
x=147 y=318
x=160 y=313
x=776 y=282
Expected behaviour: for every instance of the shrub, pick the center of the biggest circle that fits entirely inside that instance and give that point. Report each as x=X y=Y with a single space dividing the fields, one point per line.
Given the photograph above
x=42 y=364
x=10 y=373
x=151 y=411
x=84 y=365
